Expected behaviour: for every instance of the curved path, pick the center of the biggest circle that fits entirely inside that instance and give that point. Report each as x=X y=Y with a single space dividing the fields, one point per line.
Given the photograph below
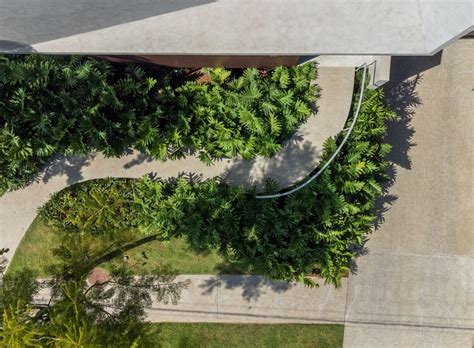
x=298 y=158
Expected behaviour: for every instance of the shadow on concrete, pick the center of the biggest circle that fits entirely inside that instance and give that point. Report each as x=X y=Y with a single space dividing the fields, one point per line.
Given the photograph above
x=401 y=97
x=15 y=47
x=252 y=286
x=45 y=20
x=138 y=160
x=70 y=166
x=292 y=164
x=404 y=67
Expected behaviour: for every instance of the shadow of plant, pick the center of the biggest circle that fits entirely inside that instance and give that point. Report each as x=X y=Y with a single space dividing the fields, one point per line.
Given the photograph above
x=140 y=158
x=295 y=161
x=71 y=166
x=252 y=286
x=402 y=98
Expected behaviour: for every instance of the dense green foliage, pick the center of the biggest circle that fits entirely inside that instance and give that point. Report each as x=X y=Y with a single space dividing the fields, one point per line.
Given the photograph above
x=75 y=313
x=319 y=229
x=78 y=105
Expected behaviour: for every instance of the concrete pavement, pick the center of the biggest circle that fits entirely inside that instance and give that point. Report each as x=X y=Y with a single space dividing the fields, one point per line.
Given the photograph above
x=245 y=299
x=252 y=299
x=416 y=286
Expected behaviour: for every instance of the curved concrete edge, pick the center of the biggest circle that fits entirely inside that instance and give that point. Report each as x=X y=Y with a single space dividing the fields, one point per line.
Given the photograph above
x=298 y=158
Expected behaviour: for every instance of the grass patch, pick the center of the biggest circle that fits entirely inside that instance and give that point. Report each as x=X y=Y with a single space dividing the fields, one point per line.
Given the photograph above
x=36 y=252
x=169 y=335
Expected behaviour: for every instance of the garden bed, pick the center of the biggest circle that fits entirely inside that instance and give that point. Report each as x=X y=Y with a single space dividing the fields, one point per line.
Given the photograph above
x=321 y=227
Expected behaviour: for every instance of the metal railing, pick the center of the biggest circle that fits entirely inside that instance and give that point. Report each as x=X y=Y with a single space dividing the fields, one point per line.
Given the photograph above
x=333 y=156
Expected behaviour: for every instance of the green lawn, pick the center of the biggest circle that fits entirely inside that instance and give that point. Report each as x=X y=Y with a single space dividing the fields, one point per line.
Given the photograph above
x=35 y=252
x=246 y=335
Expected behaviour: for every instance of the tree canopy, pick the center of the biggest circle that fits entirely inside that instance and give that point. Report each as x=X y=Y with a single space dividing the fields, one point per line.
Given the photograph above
x=75 y=311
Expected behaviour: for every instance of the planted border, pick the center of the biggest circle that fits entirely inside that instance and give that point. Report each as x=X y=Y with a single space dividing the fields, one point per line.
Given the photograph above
x=77 y=105
x=318 y=230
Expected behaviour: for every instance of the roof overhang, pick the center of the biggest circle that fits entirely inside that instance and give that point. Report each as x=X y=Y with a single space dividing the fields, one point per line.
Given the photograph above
x=233 y=27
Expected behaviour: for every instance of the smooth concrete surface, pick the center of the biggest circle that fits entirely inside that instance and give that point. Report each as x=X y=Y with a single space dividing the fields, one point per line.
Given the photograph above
x=416 y=286
x=298 y=158
x=379 y=72
x=252 y=299
x=245 y=299
x=213 y=27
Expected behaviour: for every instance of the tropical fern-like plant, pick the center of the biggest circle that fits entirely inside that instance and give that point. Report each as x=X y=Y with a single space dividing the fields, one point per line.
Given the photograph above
x=76 y=105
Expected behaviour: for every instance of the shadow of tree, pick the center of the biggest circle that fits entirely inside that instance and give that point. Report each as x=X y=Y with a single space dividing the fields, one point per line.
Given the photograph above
x=402 y=98
x=140 y=158
x=293 y=163
x=252 y=286
x=71 y=166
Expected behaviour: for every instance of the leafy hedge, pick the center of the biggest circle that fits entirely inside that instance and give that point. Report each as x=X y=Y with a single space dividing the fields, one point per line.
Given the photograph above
x=320 y=229
x=77 y=105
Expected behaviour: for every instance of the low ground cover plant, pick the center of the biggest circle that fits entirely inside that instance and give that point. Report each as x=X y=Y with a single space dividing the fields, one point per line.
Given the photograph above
x=78 y=105
x=321 y=229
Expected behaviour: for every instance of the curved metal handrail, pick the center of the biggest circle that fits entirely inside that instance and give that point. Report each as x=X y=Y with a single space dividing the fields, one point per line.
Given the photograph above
x=321 y=170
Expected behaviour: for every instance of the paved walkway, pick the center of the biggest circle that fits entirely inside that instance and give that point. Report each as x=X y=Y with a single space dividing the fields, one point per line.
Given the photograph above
x=246 y=299
x=299 y=157
x=416 y=286
x=253 y=299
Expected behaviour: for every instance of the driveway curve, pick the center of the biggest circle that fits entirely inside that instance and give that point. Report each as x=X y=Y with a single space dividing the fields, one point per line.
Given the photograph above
x=297 y=159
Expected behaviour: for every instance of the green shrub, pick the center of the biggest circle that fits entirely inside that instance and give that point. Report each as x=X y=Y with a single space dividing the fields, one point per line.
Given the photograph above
x=78 y=105
x=320 y=229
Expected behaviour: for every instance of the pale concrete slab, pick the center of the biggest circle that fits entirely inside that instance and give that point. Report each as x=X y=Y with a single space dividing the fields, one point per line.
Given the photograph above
x=413 y=291
x=196 y=304
x=416 y=287
x=245 y=299
x=380 y=336
x=213 y=27
x=252 y=299
x=298 y=158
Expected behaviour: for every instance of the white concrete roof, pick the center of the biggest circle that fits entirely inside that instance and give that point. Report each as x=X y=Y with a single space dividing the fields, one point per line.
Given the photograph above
x=277 y=27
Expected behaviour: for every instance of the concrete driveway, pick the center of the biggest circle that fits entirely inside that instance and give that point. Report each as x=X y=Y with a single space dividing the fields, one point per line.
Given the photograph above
x=416 y=287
